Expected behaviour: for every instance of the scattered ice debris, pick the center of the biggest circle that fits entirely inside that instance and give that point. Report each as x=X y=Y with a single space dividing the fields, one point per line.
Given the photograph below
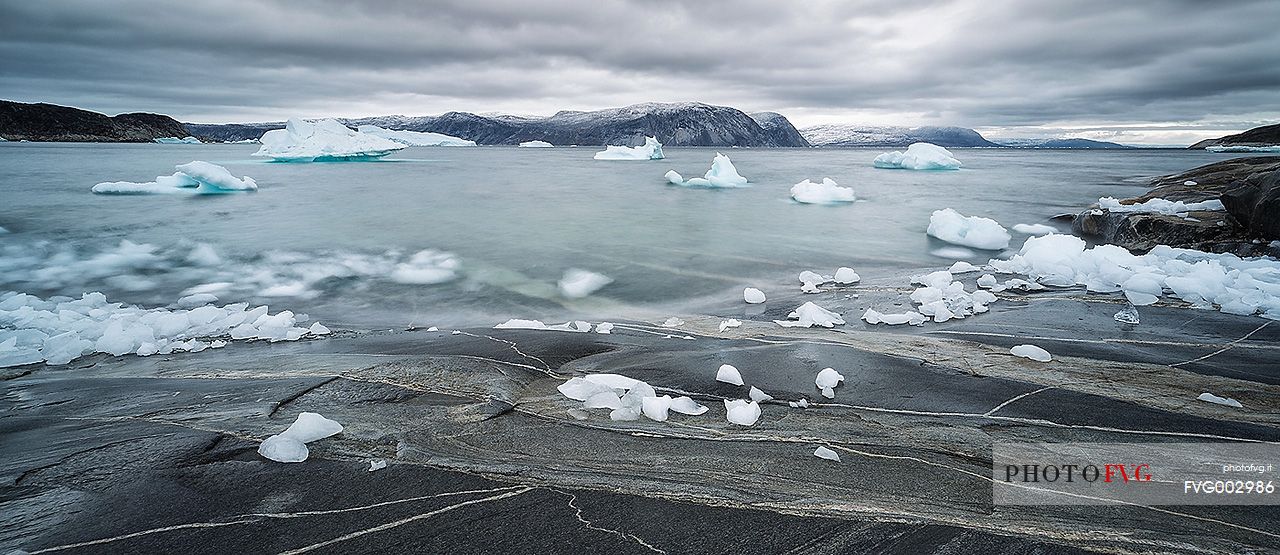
x=415 y=138
x=824 y=453
x=722 y=175
x=962 y=267
x=758 y=396
x=626 y=398
x=827 y=380
x=60 y=330
x=1226 y=401
x=809 y=281
x=651 y=150
x=194 y=178
x=1032 y=352
x=320 y=141
x=954 y=253
x=801 y=404
x=742 y=412
x=1034 y=229
x=1235 y=285
x=827 y=192
x=1158 y=206
x=970 y=231
x=519 y=324
x=809 y=315
x=912 y=317
x=730 y=323
x=290 y=446
x=536 y=144
x=1128 y=315
x=729 y=374
x=377 y=464
x=846 y=276
x=919 y=156
x=604 y=327
x=942 y=298
x=752 y=295
x=673 y=322
x=426 y=267
x=177 y=141
x=577 y=283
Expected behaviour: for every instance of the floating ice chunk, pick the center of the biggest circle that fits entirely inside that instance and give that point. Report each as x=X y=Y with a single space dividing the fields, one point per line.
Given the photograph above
x=953 y=253
x=1034 y=229
x=656 y=408
x=919 y=156
x=962 y=267
x=536 y=144
x=674 y=177
x=604 y=327
x=721 y=175
x=651 y=150
x=730 y=323
x=177 y=141
x=214 y=178
x=1128 y=315
x=685 y=405
x=1158 y=206
x=1226 y=401
x=377 y=464
x=827 y=380
x=195 y=177
x=281 y=448
x=809 y=315
x=673 y=322
x=824 y=453
x=845 y=276
x=752 y=295
x=729 y=374
x=415 y=138
x=758 y=396
x=426 y=267
x=742 y=412
x=827 y=192
x=577 y=284
x=1032 y=352
x=971 y=231
x=321 y=141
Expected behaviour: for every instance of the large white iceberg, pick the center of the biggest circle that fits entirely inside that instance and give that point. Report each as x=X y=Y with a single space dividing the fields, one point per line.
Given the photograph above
x=1159 y=206
x=827 y=192
x=320 y=141
x=919 y=156
x=972 y=231
x=197 y=178
x=721 y=175
x=536 y=144
x=651 y=150
x=415 y=138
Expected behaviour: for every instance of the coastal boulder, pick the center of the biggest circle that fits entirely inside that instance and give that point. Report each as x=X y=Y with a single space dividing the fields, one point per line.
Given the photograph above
x=1255 y=203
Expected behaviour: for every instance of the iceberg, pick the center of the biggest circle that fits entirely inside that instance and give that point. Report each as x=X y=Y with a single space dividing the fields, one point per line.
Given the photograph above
x=577 y=284
x=722 y=175
x=919 y=156
x=536 y=144
x=827 y=192
x=414 y=138
x=651 y=150
x=1158 y=206
x=971 y=231
x=290 y=446
x=196 y=178
x=177 y=141
x=1032 y=352
x=809 y=315
x=324 y=140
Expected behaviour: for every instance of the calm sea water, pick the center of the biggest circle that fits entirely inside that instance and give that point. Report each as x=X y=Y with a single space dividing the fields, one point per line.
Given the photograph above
x=326 y=238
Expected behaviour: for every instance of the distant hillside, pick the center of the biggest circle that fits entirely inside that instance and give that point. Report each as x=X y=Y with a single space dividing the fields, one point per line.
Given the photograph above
x=681 y=124
x=1070 y=143
x=888 y=136
x=49 y=122
x=780 y=127
x=1267 y=135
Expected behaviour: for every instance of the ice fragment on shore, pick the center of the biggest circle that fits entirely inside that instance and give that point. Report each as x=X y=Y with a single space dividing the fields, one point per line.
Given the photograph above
x=730 y=323
x=604 y=327
x=824 y=453
x=758 y=396
x=1158 y=206
x=673 y=322
x=752 y=295
x=1128 y=315
x=685 y=405
x=801 y=404
x=962 y=267
x=809 y=315
x=377 y=464
x=827 y=380
x=845 y=276
x=1226 y=401
x=1032 y=352
x=742 y=412
x=911 y=317
x=290 y=445
x=729 y=374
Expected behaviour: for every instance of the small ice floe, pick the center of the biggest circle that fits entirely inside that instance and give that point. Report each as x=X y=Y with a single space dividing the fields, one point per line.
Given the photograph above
x=729 y=374
x=970 y=231
x=809 y=281
x=827 y=380
x=535 y=144
x=824 y=453
x=742 y=412
x=1034 y=229
x=195 y=178
x=755 y=394
x=290 y=445
x=911 y=317
x=730 y=323
x=519 y=324
x=919 y=156
x=954 y=253
x=1225 y=401
x=673 y=322
x=722 y=175
x=377 y=464
x=1128 y=315
x=577 y=283
x=651 y=150
x=320 y=141
x=604 y=327
x=809 y=315
x=1158 y=206
x=826 y=192
x=414 y=138
x=752 y=295
x=962 y=267
x=1032 y=352
x=801 y=404
x=846 y=276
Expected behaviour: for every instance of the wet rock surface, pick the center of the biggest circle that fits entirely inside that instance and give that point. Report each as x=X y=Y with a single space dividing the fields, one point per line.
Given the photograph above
x=158 y=454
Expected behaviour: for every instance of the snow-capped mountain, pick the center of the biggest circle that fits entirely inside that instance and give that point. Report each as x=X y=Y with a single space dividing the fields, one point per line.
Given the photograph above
x=890 y=136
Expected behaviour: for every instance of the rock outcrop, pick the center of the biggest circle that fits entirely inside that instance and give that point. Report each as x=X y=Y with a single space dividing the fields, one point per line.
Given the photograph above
x=1267 y=135
x=49 y=122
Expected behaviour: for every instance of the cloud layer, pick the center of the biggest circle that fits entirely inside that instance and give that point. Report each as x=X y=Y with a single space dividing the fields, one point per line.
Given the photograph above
x=1100 y=67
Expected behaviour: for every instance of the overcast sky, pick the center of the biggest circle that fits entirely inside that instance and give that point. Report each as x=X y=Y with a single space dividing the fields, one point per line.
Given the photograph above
x=1165 y=72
